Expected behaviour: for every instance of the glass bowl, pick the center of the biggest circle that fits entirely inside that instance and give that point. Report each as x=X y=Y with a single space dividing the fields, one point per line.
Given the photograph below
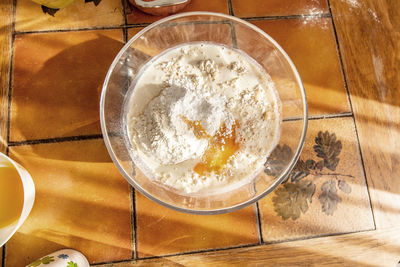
x=219 y=29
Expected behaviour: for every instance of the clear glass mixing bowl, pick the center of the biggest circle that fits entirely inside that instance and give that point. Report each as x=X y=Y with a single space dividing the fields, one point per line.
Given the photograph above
x=220 y=29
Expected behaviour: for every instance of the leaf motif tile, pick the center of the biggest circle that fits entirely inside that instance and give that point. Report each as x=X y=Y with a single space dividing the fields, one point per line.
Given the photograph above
x=331 y=194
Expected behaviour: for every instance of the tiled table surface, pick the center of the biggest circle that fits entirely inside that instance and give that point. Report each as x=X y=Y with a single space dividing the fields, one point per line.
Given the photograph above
x=82 y=201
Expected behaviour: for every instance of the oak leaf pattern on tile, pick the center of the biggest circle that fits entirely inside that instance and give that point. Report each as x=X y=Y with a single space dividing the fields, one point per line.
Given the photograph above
x=345 y=187
x=278 y=160
x=328 y=148
x=293 y=199
x=329 y=198
x=295 y=194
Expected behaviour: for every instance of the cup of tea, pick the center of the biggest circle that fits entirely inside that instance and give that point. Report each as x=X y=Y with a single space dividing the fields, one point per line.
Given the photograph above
x=17 y=194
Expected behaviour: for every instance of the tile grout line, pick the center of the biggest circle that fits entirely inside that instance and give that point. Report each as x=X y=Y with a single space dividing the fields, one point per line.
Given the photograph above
x=303 y=16
x=11 y=73
x=134 y=222
x=70 y=30
x=331 y=116
x=137 y=25
x=230 y=8
x=258 y=216
x=124 y=30
x=233 y=34
x=259 y=226
x=124 y=6
x=55 y=140
x=340 y=59
x=125 y=35
x=321 y=117
x=14 y=7
x=351 y=108
x=194 y=252
x=84 y=29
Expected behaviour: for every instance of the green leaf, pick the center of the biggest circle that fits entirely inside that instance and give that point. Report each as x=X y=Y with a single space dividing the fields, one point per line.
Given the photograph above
x=35 y=263
x=47 y=259
x=292 y=199
x=328 y=148
x=72 y=264
x=329 y=198
x=44 y=260
x=278 y=160
x=345 y=187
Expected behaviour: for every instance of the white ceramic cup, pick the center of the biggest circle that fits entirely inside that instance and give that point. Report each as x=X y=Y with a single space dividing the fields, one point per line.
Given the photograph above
x=29 y=197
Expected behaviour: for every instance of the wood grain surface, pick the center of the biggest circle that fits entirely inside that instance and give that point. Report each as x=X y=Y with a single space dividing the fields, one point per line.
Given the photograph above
x=369 y=39
x=5 y=57
x=373 y=248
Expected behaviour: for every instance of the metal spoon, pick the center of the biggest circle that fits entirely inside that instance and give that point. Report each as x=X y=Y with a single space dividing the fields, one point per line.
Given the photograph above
x=160 y=7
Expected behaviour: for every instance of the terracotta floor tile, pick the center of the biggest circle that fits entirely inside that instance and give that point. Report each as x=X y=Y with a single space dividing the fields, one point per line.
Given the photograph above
x=133 y=31
x=163 y=231
x=258 y=8
x=310 y=43
x=57 y=81
x=82 y=202
x=221 y=6
x=152 y=45
x=30 y=17
x=343 y=188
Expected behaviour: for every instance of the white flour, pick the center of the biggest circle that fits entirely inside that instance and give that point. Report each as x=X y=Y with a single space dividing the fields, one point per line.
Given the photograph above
x=185 y=99
x=162 y=130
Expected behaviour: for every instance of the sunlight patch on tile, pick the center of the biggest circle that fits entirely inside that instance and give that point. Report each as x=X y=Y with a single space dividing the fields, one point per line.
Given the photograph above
x=163 y=231
x=82 y=202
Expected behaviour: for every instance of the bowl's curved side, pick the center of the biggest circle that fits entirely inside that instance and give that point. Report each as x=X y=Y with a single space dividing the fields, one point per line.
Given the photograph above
x=137 y=186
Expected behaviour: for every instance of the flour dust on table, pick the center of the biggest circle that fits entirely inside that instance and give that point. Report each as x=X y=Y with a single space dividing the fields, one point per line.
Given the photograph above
x=202 y=118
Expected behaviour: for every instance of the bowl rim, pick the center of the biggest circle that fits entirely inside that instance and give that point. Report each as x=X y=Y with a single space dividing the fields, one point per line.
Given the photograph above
x=252 y=200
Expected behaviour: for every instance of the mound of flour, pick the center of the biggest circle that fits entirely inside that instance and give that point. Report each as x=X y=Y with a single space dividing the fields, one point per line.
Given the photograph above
x=163 y=132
